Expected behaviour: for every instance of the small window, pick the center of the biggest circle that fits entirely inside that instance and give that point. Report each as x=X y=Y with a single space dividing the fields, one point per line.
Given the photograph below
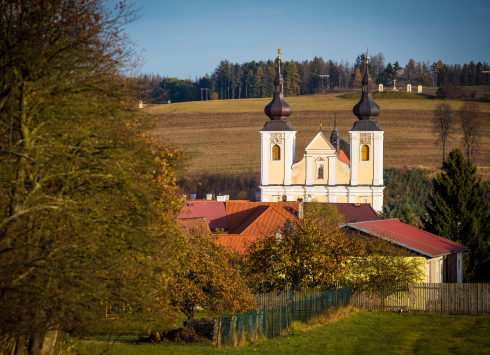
x=276 y=152
x=365 y=153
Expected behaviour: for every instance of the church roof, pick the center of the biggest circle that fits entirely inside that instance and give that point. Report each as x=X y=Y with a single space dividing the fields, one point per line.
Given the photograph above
x=189 y=224
x=366 y=109
x=343 y=157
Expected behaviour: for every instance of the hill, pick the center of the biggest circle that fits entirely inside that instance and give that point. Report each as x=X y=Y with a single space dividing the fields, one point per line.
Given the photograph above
x=223 y=136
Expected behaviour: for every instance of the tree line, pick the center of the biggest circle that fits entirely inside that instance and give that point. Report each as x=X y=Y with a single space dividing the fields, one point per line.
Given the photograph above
x=255 y=79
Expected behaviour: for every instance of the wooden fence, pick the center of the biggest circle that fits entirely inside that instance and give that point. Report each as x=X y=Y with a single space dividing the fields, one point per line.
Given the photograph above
x=446 y=298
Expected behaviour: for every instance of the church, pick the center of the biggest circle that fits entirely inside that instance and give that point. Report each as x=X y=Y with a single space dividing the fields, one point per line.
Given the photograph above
x=329 y=171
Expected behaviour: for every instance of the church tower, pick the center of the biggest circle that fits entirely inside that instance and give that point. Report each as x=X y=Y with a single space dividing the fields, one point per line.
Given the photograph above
x=366 y=148
x=331 y=170
x=278 y=139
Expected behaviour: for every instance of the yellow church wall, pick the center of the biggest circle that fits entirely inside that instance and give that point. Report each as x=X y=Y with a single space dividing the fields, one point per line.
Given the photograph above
x=296 y=197
x=298 y=177
x=365 y=169
x=276 y=168
x=341 y=177
x=320 y=143
x=361 y=197
x=341 y=198
x=320 y=198
x=323 y=181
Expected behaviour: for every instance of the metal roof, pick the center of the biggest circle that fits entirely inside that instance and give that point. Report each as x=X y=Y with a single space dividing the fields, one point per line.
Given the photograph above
x=418 y=240
x=213 y=211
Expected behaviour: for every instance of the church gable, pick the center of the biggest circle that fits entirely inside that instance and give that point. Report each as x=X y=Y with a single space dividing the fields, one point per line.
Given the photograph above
x=320 y=143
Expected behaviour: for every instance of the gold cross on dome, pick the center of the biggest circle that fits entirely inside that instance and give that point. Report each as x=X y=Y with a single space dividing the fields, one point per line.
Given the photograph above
x=321 y=125
x=278 y=51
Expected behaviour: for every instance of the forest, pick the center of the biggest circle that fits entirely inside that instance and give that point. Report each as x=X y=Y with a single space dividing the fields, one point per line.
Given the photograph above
x=255 y=79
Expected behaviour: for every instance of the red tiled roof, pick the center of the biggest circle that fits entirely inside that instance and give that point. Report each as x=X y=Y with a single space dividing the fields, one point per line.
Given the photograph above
x=411 y=237
x=237 y=212
x=237 y=242
x=342 y=157
x=213 y=211
x=360 y=213
x=190 y=223
x=263 y=221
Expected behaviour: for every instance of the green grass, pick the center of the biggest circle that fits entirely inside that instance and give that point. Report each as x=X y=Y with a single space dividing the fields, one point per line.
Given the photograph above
x=364 y=333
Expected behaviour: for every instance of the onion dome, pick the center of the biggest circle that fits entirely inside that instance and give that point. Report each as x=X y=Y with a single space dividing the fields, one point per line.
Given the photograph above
x=366 y=109
x=278 y=108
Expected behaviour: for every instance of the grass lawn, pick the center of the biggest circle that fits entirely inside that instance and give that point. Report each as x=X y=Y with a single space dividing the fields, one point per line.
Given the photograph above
x=364 y=333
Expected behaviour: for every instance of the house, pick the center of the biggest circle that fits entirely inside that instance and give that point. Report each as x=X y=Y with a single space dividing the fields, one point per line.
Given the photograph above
x=443 y=257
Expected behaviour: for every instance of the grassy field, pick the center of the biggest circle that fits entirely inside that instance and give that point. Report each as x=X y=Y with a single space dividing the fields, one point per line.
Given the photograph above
x=223 y=136
x=364 y=333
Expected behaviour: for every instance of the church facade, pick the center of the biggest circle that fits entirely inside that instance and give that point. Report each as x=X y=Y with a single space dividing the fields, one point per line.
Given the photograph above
x=328 y=171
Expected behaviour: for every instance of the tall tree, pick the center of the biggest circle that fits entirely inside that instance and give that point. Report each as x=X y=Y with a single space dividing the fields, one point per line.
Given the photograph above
x=443 y=125
x=87 y=211
x=357 y=78
x=470 y=117
x=293 y=83
x=459 y=211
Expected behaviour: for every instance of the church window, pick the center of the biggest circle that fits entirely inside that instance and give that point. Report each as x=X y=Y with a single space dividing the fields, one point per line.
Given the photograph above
x=365 y=153
x=276 y=152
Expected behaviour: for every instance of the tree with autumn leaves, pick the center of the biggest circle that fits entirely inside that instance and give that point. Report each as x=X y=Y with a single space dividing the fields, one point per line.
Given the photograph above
x=209 y=278
x=88 y=203
x=316 y=252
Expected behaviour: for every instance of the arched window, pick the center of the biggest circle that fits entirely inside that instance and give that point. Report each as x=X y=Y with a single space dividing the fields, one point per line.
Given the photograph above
x=276 y=152
x=364 y=153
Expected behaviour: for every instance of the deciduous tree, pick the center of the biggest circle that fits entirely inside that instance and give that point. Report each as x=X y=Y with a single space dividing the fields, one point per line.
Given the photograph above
x=443 y=125
x=209 y=279
x=470 y=117
x=87 y=203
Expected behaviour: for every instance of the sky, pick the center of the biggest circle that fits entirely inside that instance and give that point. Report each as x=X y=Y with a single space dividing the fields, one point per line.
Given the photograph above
x=187 y=39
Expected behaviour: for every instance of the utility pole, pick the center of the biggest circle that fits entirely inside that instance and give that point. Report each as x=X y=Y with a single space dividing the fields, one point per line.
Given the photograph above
x=324 y=76
x=206 y=89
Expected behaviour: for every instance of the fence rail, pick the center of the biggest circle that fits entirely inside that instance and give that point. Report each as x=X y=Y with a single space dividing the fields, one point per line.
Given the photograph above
x=445 y=298
x=278 y=309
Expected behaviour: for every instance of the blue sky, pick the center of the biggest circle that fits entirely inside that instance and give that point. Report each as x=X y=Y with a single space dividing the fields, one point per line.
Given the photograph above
x=186 y=39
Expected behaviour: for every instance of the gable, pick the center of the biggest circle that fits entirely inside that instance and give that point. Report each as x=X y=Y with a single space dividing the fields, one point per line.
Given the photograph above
x=320 y=142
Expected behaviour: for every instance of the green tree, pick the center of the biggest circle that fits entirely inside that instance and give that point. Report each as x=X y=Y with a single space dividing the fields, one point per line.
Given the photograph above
x=292 y=79
x=317 y=252
x=459 y=212
x=87 y=204
x=357 y=78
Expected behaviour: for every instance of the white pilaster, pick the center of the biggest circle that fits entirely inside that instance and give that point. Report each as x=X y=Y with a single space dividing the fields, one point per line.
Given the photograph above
x=264 y=160
x=331 y=170
x=264 y=197
x=288 y=156
x=353 y=158
x=309 y=170
x=378 y=159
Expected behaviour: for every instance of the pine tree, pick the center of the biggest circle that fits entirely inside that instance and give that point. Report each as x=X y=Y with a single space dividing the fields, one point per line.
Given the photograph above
x=459 y=212
x=293 y=80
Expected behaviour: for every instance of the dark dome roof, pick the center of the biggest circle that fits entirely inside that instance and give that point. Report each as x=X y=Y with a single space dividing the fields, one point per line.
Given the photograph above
x=366 y=108
x=278 y=108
